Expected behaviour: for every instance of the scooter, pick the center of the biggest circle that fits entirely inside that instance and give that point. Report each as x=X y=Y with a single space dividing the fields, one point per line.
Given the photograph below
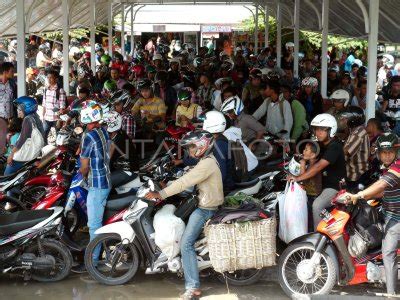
x=26 y=250
x=130 y=243
x=314 y=263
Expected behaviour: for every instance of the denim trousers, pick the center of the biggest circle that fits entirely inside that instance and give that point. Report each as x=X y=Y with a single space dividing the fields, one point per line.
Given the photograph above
x=95 y=203
x=46 y=127
x=389 y=252
x=14 y=167
x=189 y=258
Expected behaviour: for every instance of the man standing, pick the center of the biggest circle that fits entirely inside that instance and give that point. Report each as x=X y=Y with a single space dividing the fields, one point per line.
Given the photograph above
x=95 y=157
x=6 y=98
x=54 y=103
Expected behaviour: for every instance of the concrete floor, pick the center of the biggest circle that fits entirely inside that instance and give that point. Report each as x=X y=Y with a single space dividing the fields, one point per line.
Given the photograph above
x=161 y=286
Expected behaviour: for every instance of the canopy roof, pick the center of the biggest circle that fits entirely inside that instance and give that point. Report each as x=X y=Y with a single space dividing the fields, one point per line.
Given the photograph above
x=345 y=17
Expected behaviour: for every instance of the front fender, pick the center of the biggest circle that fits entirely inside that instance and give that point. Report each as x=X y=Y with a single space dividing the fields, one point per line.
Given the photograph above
x=314 y=238
x=123 y=229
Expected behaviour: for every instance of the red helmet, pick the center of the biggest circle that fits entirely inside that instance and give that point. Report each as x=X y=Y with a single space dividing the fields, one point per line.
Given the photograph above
x=139 y=71
x=86 y=55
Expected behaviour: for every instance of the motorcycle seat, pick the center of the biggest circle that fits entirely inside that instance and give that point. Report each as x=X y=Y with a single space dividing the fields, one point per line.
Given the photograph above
x=247 y=183
x=120 y=201
x=20 y=220
x=119 y=178
x=248 y=187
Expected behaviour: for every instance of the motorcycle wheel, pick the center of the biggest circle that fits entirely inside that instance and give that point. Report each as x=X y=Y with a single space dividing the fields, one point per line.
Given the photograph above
x=117 y=263
x=242 y=277
x=294 y=266
x=62 y=256
x=32 y=194
x=9 y=205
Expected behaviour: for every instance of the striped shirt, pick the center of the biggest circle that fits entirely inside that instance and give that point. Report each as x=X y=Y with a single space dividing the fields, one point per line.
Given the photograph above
x=391 y=195
x=96 y=147
x=51 y=104
x=356 y=151
x=154 y=107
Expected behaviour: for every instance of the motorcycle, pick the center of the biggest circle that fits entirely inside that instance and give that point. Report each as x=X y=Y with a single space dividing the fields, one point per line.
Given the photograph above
x=130 y=243
x=315 y=262
x=25 y=249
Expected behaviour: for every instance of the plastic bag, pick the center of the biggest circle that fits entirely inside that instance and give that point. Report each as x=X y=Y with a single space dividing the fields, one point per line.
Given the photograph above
x=168 y=231
x=293 y=214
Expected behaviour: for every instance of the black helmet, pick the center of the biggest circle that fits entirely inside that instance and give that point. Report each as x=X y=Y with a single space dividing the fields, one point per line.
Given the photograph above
x=354 y=115
x=144 y=84
x=184 y=94
x=387 y=141
x=121 y=96
x=188 y=77
x=362 y=72
x=203 y=140
x=274 y=76
x=255 y=73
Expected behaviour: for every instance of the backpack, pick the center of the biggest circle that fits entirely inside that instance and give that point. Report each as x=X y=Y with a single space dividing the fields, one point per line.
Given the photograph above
x=238 y=157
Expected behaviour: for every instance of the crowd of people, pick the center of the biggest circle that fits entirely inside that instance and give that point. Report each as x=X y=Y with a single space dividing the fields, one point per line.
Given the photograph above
x=238 y=97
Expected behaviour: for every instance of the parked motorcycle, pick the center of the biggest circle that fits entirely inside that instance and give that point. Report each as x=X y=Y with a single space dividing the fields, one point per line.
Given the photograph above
x=25 y=249
x=315 y=262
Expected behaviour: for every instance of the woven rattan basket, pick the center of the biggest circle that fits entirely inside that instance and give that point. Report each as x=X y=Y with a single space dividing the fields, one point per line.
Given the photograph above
x=240 y=246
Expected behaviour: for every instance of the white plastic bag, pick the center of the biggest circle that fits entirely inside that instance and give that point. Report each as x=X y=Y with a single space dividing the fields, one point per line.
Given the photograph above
x=168 y=231
x=293 y=218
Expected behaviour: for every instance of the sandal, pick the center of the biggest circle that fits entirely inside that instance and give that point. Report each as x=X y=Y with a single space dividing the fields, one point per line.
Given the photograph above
x=191 y=294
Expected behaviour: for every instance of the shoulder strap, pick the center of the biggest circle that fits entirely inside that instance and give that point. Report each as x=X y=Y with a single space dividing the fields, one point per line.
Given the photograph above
x=281 y=110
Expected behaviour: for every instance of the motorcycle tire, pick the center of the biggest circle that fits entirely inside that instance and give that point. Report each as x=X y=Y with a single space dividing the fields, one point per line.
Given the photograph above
x=241 y=277
x=92 y=270
x=56 y=247
x=9 y=205
x=327 y=286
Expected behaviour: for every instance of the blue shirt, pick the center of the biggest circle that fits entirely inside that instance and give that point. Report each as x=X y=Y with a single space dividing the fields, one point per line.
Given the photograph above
x=96 y=147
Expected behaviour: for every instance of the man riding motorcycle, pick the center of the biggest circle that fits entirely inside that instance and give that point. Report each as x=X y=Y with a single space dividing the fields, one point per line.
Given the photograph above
x=387 y=187
x=207 y=176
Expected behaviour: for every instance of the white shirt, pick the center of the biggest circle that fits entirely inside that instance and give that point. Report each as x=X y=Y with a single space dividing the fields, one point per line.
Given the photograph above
x=274 y=122
x=40 y=60
x=234 y=134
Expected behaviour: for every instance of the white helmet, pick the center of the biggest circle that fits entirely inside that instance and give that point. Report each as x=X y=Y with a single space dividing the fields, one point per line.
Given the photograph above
x=325 y=120
x=91 y=112
x=310 y=81
x=215 y=122
x=157 y=56
x=113 y=121
x=341 y=95
x=294 y=167
x=289 y=44
x=232 y=103
x=358 y=62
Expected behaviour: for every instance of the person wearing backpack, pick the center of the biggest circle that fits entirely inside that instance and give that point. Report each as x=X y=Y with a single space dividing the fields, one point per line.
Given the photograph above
x=277 y=110
x=215 y=123
x=54 y=103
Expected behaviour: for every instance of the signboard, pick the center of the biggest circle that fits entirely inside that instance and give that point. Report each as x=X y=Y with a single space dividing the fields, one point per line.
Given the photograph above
x=216 y=28
x=158 y=28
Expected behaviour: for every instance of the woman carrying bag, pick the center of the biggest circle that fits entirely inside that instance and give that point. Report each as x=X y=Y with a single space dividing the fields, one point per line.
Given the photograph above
x=31 y=139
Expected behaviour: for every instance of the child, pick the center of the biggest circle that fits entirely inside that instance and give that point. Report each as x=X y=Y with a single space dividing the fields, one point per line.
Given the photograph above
x=313 y=186
x=14 y=129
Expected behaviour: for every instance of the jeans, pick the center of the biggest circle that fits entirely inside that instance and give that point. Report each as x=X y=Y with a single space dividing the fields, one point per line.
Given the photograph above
x=320 y=203
x=14 y=167
x=389 y=252
x=189 y=258
x=46 y=127
x=96 y=202
x=396 y=128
